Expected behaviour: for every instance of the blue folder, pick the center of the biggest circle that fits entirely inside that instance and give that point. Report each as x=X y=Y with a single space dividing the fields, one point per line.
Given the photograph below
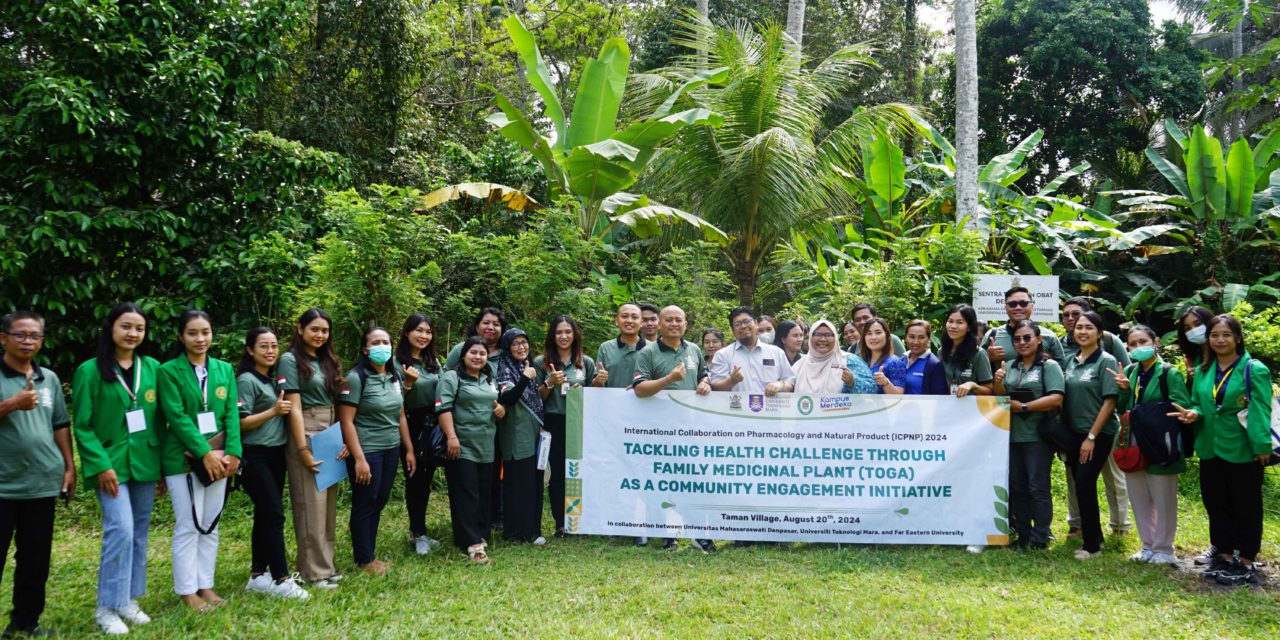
x=325 y=447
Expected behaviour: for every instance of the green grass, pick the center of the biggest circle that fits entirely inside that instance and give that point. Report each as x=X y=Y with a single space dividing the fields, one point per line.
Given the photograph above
x=602 y=587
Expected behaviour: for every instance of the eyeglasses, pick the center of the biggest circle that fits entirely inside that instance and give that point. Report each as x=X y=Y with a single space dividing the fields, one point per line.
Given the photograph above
x=26 y=337
x=1072 y=314
x=743 y=323
x=823 y=336
x=1014 y=304
x=1024 y=339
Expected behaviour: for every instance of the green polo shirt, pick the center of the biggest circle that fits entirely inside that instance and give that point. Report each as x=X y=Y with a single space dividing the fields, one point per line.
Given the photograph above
x=423 y=393
x=378 y=403
x=1109 y=343
x=470 y=400
x=1041 y=379
x=619 y=360
x=977 y=369
x=100 y=427
x=518 y=432
x=257 y=393
x=657 y=360
x=1151 y=392
x=311 y=390
x=574 y=376
x=899 y=349
x=455 y=355
x=31 y=465
x=1000 y=335
x=1088 y=385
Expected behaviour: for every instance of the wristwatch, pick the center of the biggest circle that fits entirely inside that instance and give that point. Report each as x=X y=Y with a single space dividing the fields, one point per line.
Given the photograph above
x=1092 y=437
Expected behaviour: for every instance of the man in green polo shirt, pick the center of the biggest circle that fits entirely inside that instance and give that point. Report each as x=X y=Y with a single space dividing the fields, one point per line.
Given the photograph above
x=35 y=465
x=649 y=322
x=1019 y=305
x=618 y=356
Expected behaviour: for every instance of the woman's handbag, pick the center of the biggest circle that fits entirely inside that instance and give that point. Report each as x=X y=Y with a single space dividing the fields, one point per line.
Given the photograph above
x=1127 y=454
x=196 y=465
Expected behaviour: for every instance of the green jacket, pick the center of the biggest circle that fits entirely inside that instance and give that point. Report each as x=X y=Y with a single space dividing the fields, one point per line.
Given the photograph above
x=1219 y=433
x=181 y=403
x=98 y=414
x=1151 y=393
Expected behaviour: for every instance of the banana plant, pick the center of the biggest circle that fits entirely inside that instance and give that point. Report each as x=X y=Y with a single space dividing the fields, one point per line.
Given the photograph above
x=585 y=155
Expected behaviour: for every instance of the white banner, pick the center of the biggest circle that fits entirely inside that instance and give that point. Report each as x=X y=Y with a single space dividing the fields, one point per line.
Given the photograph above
x=794 y=467
x=988 y=295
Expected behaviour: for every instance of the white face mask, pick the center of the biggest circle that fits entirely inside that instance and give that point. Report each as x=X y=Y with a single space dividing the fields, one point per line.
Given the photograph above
x=1196 y=335
x=766 y=337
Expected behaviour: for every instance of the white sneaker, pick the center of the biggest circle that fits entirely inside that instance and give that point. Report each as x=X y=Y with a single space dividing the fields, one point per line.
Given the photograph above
x=1163 y=558
x=1081 y=554
x=133 y=614
x=260 y=583
x=539 y=540
x=109 y=621
x=974 y=548
x=435 y=544
x=289 y=589
x=421 y=544
x=1142 y=556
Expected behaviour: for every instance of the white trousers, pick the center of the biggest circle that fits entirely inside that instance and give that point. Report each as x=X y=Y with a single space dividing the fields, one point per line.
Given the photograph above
x=194 y=554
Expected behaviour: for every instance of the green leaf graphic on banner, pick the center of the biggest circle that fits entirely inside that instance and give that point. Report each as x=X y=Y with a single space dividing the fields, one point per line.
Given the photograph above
x=573 y=469
x=903 y=511
x=1002 y=526
x=668 y=505
x=1002 y=493
x=1002 y=509
x=573 y=505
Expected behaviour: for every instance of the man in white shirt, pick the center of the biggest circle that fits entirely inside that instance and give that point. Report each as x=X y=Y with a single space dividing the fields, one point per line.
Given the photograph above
x=747 y=365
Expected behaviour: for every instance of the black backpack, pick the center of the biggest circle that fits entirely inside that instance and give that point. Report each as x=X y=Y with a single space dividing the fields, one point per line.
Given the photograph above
x=1159 y=436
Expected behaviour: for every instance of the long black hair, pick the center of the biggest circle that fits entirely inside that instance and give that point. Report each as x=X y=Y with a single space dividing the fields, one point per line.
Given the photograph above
x=184 y=320
x=461 y=367
x=968 y=346
x=404 y=350
x=551 y=350
x=247 y=363
x=362 y=366
x=1236 y=330
x=1041 y=354
x=106 y=343
x=1189 y=349
x=330 y=363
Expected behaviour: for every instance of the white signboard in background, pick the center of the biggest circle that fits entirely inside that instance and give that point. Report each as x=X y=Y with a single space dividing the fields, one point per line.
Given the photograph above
x=988 y=295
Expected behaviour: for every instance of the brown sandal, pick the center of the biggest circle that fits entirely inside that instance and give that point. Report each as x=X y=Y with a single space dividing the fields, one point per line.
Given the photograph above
x=477 y=555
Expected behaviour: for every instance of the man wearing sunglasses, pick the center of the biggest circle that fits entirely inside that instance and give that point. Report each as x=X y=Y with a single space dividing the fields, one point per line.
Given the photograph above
x=998 y=342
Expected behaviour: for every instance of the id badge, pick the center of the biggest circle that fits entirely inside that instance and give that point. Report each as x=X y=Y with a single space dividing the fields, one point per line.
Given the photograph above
x=564 y=389
x=953 y=388
x=136 y=421
x=207 y=423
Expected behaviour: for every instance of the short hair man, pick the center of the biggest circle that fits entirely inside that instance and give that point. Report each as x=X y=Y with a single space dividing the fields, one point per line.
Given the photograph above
x=649 y=322
x=616 y=358
x=748 y=365
x=998 y=341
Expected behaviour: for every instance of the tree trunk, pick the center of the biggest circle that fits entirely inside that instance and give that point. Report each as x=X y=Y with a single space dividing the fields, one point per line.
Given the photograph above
x=1235 y=122
x=703 y=7
x=795 y=25
x=911 y=51
x=966 y=113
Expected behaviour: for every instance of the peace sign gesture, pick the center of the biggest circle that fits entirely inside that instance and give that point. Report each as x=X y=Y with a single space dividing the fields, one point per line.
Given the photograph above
x=1122 y=380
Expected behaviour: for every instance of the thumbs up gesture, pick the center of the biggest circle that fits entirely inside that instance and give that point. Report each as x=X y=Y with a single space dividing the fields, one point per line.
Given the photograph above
x=1002 y=372
x=27 y=399
x=556 y=377
x=677 y=374
x=601 y=378
x=530 y=372
x=283 y=407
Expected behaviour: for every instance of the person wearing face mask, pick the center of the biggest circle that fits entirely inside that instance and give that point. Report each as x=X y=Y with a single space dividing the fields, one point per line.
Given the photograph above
x=966 y=366
x=1113 y=479
x=924 y=372
x=374 y=429
x=749 y=365
x=791 y=340
x=766 y=329
x=1192 y=336
x=828 y=369
x=518 y=434
x=1018 y=305
x=862 y=313
x=1231 y=404
x=1154 y=490
x=616 y=358
x=649 y=322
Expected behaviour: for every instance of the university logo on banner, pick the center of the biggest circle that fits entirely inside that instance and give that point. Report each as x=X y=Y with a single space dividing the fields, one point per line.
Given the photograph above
x=756 y=402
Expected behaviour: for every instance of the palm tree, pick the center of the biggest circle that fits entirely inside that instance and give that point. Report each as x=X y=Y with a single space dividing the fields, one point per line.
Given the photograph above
x=967 y=113
x=765 y=171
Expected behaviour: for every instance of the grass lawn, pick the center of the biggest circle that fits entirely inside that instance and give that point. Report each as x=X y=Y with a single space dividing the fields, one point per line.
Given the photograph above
x=601 y=587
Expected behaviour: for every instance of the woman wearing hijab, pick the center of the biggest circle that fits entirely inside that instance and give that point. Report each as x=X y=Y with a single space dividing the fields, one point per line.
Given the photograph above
x=827 y=369
x=518 y=434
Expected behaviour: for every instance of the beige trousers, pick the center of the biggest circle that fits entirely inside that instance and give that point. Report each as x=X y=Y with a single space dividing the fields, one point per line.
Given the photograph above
x=314 y=512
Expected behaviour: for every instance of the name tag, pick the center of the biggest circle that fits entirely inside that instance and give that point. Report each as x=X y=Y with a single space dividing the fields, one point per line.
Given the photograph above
x=207 y=423
x=136 y=421
x=768 y=362
x=564 y=389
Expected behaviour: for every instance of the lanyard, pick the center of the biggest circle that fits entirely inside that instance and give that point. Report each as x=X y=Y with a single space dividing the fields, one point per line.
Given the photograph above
x=1217 y=387
x=137 y=380
x=204 y=383
x=1022 y=373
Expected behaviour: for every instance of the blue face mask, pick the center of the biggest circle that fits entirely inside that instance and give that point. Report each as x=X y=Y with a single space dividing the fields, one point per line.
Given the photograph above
x=1143 y=354
x=1196 y=335
x=379 y=354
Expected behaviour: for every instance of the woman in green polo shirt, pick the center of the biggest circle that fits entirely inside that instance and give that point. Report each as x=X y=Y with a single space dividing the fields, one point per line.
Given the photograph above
x=416 y=359
x=371 y=411
x=1091 y=414
x=263 y=408
x=518 y=434
x=467 y=406
x=1231 y=407
x=562 y=365
x=197 y=397
x=118 y=436
x=312 y=376
x=1033 y=382
x=1154 y=490
x=967 y=368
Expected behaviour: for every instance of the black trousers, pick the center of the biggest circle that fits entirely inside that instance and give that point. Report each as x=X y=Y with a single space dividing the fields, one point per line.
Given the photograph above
x=1086 y=477
x=417 y=489
x=1232 y=495
x=30 y=523
x=1030 y=491
x=470 y=497
x=263 y=480
x=368 y=500
x=554 y=423
x=522 y=494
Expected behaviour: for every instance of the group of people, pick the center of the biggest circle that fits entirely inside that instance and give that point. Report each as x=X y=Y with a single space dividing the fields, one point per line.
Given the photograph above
x=194 y=423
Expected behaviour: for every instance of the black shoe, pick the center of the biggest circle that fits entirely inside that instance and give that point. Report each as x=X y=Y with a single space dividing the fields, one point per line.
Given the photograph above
x=1217 y=568
x=560 y=533
x=32 y=632
x=1238 y=575
x=1208 y=556
x=743 y=544
x=706 y=546
x=671 y=544
x=642 y=541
